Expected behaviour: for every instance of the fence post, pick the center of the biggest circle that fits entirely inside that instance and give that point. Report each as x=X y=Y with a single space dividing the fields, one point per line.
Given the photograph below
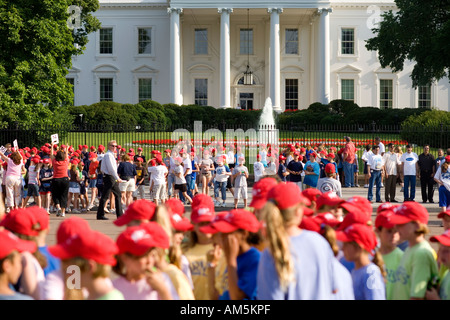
x=442 y=133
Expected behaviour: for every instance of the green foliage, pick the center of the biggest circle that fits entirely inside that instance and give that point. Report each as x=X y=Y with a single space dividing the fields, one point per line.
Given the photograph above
x=36 y=49
x=422 y=128
x=419 y=31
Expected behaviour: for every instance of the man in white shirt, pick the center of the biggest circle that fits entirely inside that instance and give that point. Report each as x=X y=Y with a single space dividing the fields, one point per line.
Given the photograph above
x=382 y=151
x=410 y=170
x=375 y=167
x=390 y=163
x=111 y=182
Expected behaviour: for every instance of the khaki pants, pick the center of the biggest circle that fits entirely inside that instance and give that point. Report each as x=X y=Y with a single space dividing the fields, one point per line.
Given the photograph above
x=13 y=191
x=389 y=188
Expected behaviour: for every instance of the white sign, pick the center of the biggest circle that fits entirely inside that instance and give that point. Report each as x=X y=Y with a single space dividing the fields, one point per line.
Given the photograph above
x=2 y=149
x=55 y=139
x=16 y=146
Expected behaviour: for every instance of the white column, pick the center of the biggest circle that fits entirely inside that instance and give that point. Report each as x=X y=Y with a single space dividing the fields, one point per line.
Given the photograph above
x=175 y=56
x=274 y=73
x=225 y=82
x=324 y=55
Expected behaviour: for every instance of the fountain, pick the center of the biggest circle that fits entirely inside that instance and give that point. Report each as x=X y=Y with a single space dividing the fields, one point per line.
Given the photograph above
x=267 y=132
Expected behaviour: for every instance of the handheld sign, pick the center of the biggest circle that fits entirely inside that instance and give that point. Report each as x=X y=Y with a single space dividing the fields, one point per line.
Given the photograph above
x=55 y=139
x=16 y=146
x=2 y=149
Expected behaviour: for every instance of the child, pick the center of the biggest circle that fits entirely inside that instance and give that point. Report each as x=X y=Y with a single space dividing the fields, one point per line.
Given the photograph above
x=388 y=236
x=221 y=177
x=295 y=169
x=242 y=259
x=74 y=186
x=45 y=178
x=418 y=264
x=356 y=169
x=271 y=169
x=206 y=167
x=158 y=173
x=444 y=258
x=330 y=183
x=282 y=172
x=11 y=264
x=240 y=176
x=139 y=279
x=195 y=171
x=368 y=278
x=312 y=171
x=140 y=179
x=93 y=177
x=298 y=264
x=258 y=168
x=33 y=184
x=365 y=157
x=94 y=254
x=180 y=181
x=83 y=185
x=330 y=202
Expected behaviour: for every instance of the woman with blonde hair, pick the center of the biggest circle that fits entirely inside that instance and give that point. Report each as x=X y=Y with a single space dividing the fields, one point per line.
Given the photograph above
x=298 y=264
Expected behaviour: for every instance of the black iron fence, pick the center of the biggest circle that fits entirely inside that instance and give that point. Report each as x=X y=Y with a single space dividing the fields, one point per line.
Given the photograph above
x=159 y=137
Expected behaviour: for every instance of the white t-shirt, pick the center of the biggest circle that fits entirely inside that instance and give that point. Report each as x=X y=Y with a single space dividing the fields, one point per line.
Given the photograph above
x=390 y=162
x=221 y=175
x=230 y=157
x=205 y=165
x=141 y=290
x=382 y=148
x=158 y=174
x=444 y=177
x=258 y=168
x=187 y=165
x=375 y=161
x=179 y=179
x=263 y=154
x=366 y=155
x=409 y=163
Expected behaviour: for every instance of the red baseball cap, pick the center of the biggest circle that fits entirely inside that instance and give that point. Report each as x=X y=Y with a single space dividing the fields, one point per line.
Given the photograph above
x=21 y=221
x=168 y=151
x=10 y=242
x=330 y=155
x=41 y=216
x=312 y=194
x=139 y=149
x=138 y=210
x=329 y=199
x=308 y=211
x=35 y=160
x=260 y=190
x=443 y=213
x=101 y=148
x=138 y=240
x=386 y=206
x=326 y=218
x=92 y=155
x=71 y=227
x=176 y=212
x=309 y=223
x=89 y=244
x=363 y=235
x=355 y=217
x=330 y=168
x=92 y=148
x=410 y=211
x=85 y=146
x=447 y=159
x=286 y=195
x=357 y=203
x=383 y=219
x=234 y=220
x=281 y=157
x=46 y=160
x=443 y=239
x=302 y=150
x=202 y=208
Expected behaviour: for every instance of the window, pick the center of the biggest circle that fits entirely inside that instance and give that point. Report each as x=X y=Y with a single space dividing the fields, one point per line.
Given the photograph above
x=201 y=41
x=424 y=96
x=246 y=45
x=348 y=89
x=106 y=41
x=145 y=41
x=291 y=41
x=246 y=101
x=386 y=94
x=201 y=92
x=348 y=41
x=145 y=89
x=291 y=89
x=106 y=89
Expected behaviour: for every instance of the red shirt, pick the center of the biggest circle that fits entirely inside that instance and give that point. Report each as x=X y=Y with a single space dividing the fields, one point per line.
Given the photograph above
x=93 y=170
x=60 y=168
x=350 y=151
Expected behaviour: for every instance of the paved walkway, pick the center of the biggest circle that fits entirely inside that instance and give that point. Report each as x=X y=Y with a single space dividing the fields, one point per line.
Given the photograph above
x=108 y=228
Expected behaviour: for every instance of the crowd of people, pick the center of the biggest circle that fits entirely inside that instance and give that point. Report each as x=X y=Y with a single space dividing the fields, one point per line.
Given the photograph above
x=295 y=238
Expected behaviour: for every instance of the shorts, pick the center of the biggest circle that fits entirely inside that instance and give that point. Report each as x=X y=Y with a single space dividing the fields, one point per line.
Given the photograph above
x=33 y=190
x=127 y=186
x=181 y=187
x=45 y=188
x=207 y=174
x=83 y=189
x=240 y=192
x=140 y=191
x=355 y=168
x=92 y=183
x=365 y=168
x=159 y=191
x=74 y=187
x=192 y=184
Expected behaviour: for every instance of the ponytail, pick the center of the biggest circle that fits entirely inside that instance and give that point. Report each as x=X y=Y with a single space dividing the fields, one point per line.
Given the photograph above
x=378 y=261
x=330 y=235
x=161 y=217
x=279 y=242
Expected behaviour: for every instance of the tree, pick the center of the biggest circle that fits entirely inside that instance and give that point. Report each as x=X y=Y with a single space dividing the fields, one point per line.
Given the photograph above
x=36 y=49
x=419 y=31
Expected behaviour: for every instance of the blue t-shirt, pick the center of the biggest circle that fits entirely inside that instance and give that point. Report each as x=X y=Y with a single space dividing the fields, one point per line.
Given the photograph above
x=313 y=271
x=247 y=269
x=343 y=282
x=311 y=180
x=368 y=283
x=193 y=174
x=281 y=170
x=53 y=263
x=126 y=169
x=295 y=166
x=349 y=265
x=308 y=152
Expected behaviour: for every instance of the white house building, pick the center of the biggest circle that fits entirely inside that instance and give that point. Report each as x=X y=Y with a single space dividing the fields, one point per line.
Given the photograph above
x=199 y=51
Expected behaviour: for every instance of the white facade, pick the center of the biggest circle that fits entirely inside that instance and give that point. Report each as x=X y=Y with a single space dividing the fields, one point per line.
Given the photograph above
x=301 y=52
